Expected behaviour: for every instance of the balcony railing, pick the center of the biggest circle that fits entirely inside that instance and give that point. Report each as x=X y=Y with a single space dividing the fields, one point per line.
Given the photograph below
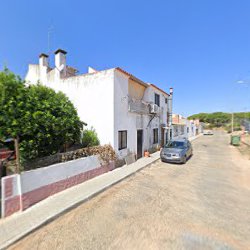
x=138 y=106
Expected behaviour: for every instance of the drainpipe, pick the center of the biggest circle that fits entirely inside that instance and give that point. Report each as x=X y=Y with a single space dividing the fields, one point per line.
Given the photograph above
x=170 y=112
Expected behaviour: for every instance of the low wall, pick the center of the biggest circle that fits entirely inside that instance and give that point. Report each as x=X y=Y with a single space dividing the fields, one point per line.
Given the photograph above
x=22 y=191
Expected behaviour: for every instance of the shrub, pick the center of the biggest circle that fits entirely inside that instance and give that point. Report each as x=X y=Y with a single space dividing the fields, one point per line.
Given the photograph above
x=42 y=119
x=106 y=153
x=90 y=138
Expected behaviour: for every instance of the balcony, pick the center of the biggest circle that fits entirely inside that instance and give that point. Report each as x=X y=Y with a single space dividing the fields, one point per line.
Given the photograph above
x=138 y=106
x=142 y=107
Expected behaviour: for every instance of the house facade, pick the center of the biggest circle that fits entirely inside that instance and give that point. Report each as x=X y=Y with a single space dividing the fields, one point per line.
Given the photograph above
x=126 y=112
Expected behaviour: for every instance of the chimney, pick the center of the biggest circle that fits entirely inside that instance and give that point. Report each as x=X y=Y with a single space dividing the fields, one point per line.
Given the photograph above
x=60 y=62
x=43 y=66
x=43 y=60
x=91 y=70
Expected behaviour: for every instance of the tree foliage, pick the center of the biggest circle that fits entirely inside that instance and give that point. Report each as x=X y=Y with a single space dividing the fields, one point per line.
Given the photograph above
x=90 y=138
x=43 y=119
x=221 y=119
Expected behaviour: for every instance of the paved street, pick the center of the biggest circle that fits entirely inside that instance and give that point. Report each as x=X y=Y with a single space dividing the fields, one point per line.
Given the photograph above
x=204 y=204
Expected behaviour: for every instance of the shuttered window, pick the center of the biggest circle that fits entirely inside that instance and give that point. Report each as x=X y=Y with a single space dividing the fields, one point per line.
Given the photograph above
x=157 y=99
x=156 y=137
x=122 y=139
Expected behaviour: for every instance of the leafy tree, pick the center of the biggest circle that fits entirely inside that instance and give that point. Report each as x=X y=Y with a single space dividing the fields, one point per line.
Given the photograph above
x=221 y=119
x=12 y=105
x=42 y=119
x=90 y=138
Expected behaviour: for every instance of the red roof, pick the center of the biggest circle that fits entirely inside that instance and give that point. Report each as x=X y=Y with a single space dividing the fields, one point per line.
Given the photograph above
x=135 y=79
x=140 y=81
x=132 y=77
x=159 y=89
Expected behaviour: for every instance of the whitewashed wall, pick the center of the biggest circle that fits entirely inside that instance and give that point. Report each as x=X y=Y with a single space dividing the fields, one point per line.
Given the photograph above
x=45 y=176
x=125 y=120
x=149 y=96
x=26 y=189
x=93 y=97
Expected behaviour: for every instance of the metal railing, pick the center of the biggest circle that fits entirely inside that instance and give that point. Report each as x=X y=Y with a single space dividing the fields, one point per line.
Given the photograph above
x=138 y=106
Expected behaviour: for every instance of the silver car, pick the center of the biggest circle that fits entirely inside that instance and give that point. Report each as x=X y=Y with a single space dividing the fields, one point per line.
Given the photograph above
x=177 y=151
x=208 y=132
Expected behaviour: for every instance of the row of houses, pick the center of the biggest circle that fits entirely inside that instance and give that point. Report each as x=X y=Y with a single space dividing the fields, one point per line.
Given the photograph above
x=126 y=112
x=184 y=128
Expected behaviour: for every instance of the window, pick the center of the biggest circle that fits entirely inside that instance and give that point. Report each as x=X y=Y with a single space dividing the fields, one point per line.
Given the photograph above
x=155 y=133
x=176 y=144
x=166 y=100
x=122 y=139
x=182 y=130
x=157 y=99
x=187 y=129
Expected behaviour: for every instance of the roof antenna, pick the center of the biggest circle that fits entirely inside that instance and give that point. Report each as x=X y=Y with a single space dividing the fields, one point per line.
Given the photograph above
x=50 y=30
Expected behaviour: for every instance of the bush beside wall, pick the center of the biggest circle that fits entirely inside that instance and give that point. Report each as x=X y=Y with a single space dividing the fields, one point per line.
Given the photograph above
x=105 y=152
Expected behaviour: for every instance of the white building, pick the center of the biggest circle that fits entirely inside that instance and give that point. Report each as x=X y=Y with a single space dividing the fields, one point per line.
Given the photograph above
x=126 y=112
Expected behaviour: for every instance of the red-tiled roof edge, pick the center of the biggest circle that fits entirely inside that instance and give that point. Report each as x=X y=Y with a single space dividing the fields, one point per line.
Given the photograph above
x=159 y=89
x=132 y=76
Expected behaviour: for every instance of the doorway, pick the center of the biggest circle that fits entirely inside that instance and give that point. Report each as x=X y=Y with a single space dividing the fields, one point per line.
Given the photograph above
x=139 y=143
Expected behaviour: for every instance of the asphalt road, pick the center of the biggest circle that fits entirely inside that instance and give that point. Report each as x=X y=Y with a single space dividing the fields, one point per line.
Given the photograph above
x=204 y=204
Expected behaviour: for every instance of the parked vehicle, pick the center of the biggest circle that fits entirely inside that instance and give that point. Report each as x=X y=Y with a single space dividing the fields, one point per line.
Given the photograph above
x=6 y=154
x=6 y=150
x=177 y=151
x=208 y=132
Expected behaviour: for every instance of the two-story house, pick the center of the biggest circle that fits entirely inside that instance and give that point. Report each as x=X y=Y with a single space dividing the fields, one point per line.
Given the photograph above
x=126 y=112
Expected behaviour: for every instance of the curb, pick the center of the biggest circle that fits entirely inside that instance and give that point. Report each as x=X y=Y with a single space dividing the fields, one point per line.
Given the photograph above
x=69 y=208
x=196 y=137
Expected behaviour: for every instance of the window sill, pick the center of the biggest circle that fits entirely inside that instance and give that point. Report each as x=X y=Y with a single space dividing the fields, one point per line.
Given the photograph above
x=119 y=149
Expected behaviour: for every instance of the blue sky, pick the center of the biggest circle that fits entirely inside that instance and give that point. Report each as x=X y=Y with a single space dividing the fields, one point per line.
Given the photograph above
x=201 y=48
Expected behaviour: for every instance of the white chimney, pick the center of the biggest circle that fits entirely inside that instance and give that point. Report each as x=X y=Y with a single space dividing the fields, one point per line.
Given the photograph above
x=60 y=62
x=43 y=67
x=43 y=60
x=91 y=70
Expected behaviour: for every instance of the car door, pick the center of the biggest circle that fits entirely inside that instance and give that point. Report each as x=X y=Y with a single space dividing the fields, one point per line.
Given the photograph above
x=190 y=150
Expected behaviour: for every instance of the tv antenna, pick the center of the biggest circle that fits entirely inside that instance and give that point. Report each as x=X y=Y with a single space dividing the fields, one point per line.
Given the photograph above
x=50 y=31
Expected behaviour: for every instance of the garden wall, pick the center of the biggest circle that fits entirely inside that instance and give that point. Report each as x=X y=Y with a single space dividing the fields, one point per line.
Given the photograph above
x=22 y=191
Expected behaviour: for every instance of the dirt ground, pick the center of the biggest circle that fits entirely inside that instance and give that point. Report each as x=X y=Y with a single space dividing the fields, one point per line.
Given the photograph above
x=204 y=204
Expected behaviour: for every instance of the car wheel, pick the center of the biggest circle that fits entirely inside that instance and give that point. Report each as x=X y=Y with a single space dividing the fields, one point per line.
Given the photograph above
x=184 y=159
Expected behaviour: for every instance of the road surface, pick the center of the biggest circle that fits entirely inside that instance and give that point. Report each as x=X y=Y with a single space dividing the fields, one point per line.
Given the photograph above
x=204 y=204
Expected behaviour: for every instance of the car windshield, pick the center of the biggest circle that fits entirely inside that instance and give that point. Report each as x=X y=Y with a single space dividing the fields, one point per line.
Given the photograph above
x=175 y=144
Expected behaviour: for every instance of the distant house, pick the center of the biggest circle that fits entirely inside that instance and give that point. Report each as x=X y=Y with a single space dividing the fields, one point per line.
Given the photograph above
x=246 y=124
x=126 y=112
x=184 y=128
